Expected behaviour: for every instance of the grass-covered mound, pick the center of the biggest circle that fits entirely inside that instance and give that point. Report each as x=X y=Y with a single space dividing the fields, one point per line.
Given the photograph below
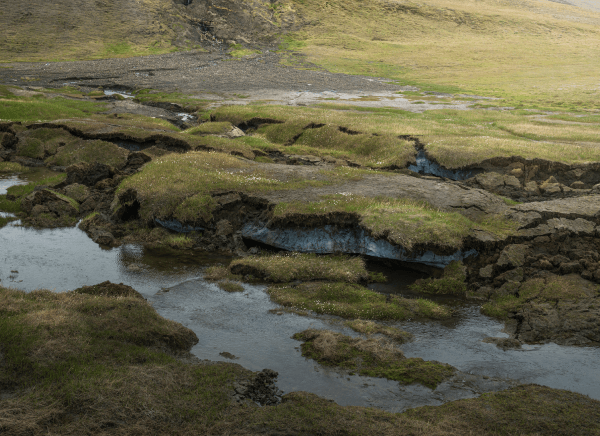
x=372 y=357
x=353 y=301
x=289 y=267
x=453 y=281
x=180 y=185
x=404 y=222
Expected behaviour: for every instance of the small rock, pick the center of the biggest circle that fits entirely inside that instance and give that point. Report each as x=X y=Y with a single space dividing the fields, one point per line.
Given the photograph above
x=512 y=181
x=514 y=275
x=508 y=288
x=517 y=172
x=486 y=272
x=532 y=188
x=570 y=267
x=513 y=255
x=227 y=355
x=224 y=228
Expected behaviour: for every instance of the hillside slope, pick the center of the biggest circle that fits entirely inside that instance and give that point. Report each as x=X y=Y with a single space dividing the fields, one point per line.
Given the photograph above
x=77 y=29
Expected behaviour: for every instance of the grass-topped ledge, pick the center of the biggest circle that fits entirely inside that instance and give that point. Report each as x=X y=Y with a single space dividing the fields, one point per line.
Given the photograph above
x=354 y=301
x=179 y=186
x=405 y=222
x=290 y=267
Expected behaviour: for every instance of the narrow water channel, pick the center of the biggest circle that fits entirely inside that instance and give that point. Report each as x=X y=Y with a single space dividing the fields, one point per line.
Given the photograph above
x=248 y=325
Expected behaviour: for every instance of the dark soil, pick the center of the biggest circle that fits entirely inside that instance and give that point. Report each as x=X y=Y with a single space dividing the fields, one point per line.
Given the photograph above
x=194 y=73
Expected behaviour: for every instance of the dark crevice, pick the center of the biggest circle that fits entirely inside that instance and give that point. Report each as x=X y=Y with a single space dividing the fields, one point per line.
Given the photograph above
x=348 y=131
x=254 y=123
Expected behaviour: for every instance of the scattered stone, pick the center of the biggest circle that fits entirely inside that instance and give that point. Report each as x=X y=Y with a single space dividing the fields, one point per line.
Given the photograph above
x=486 y=272
x=53 y=202
x=578 y=185
x=227 y=355
x=260 y=389
x=513 y=255
x=224 y=228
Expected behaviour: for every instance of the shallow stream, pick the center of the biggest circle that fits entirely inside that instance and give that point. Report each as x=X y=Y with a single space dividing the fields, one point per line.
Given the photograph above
x=249 y=326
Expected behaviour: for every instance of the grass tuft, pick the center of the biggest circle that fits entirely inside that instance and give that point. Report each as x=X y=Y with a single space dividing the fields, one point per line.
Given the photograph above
x=289 y=267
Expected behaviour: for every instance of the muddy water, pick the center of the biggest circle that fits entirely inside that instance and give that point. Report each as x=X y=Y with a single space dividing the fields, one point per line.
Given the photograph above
x=247 y=324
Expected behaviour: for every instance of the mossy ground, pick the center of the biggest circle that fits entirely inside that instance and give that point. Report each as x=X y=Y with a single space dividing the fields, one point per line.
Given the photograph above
x=87 y=361
x=371 y=357
x=290 y=267
x=353 y=301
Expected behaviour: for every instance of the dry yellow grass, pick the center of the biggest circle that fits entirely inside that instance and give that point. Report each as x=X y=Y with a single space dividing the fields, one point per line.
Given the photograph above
x=537 y=51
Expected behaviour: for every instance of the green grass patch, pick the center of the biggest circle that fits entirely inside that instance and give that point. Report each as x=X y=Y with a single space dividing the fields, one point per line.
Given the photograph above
x=229 y=286
x=179 y=185
x=90 y=152
x=12 y=167
x=372 y=357
x=5 y=220
x=453 y=281
x=289 y=267
x=453 y=138
x=41 y=109
x=404 y=222
x=353 y=301
x=216 y=128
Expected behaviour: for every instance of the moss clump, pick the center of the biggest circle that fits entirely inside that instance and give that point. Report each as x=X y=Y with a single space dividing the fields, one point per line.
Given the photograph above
x=44 y=142
x=453 y=281
x=553 y=289
x=404 y=222
x=289 y=267
x=90 y=152
x=216 y=128
x=371 y=328
x=354 y=301
x=371 y=357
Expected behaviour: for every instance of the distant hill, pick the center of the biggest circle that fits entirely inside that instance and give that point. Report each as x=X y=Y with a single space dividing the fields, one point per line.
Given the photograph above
x=76 y=29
